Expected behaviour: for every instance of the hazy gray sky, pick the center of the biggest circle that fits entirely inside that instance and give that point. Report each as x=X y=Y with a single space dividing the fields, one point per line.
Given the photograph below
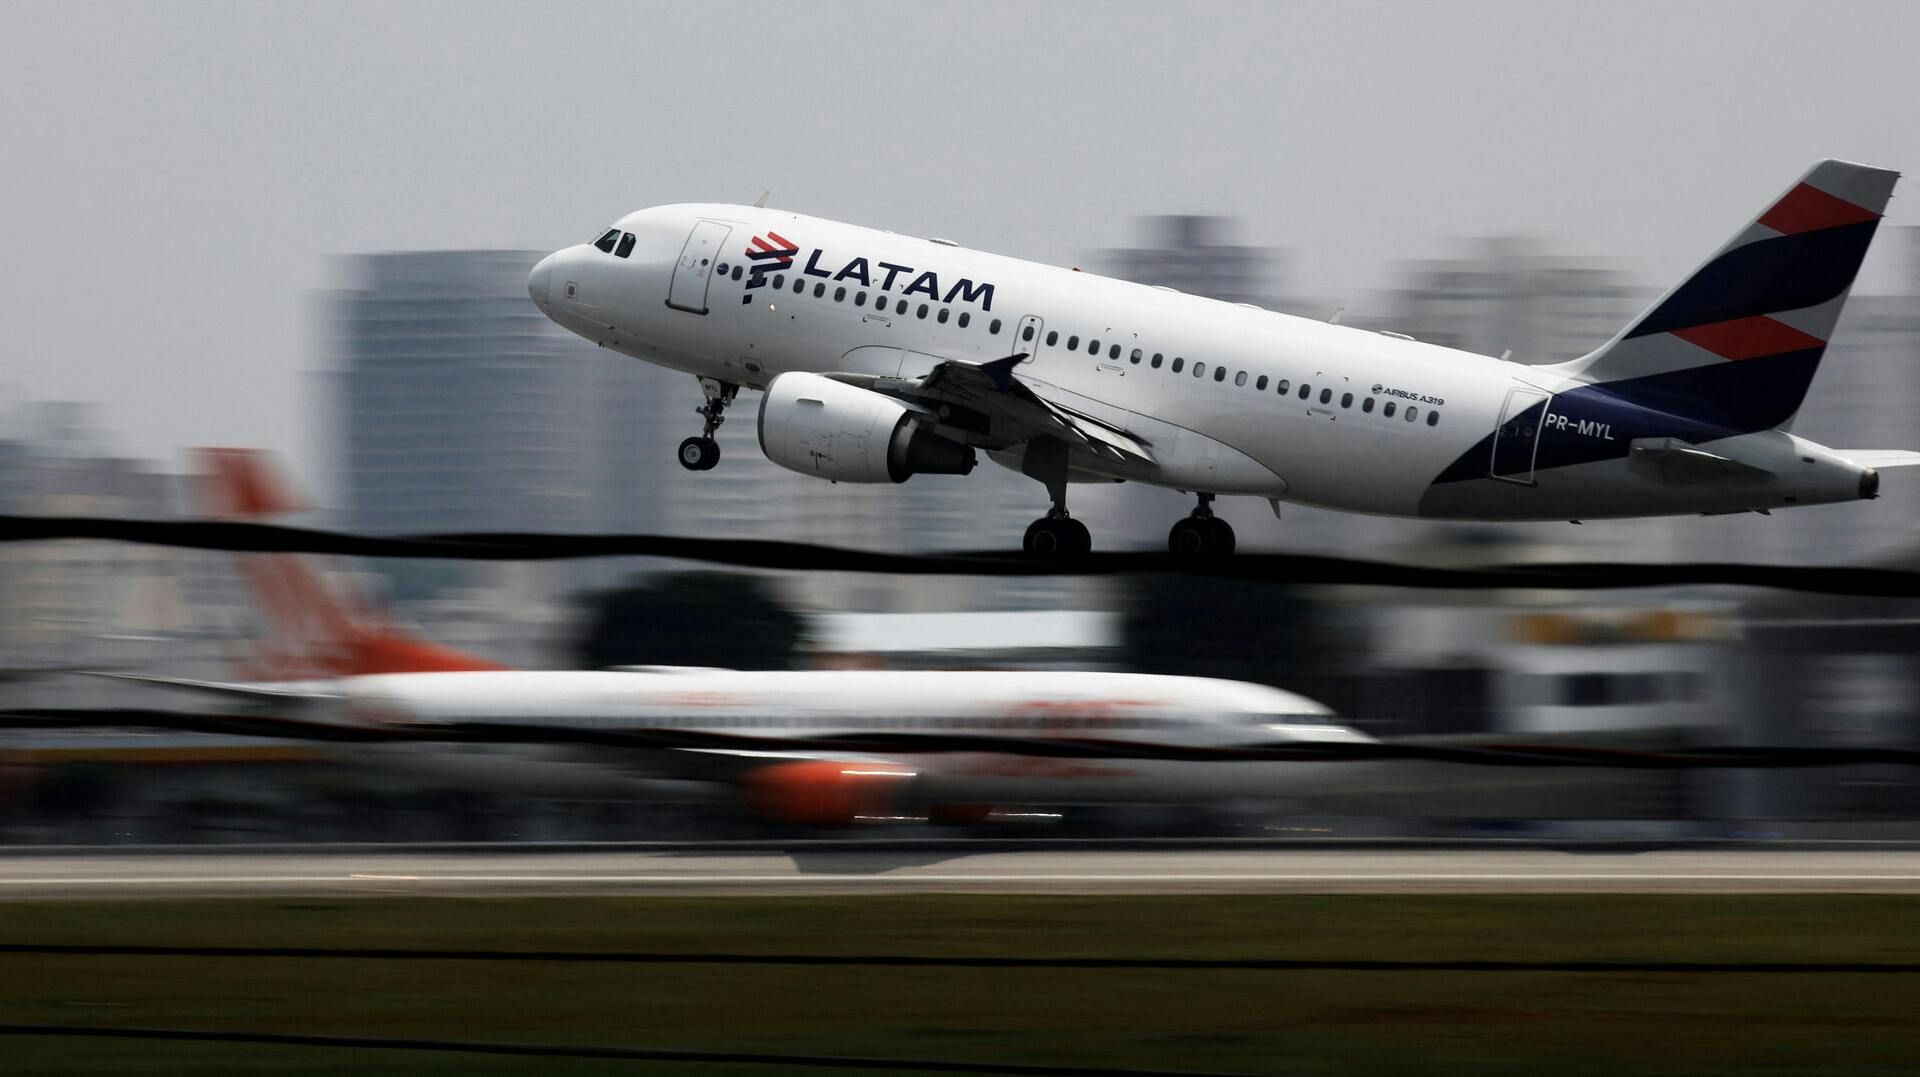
x=177 y=174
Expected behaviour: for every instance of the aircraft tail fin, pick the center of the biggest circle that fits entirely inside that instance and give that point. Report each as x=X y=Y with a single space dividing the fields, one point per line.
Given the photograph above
x=316 y=630
x=1736 y=344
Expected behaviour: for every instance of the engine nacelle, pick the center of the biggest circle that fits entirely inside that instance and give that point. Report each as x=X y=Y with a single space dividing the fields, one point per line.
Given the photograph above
x=832 y=430
x=824 y=792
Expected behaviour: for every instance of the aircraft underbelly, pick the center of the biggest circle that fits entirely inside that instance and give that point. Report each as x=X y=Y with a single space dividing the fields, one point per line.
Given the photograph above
x=1017 y=780
x=1604 y=489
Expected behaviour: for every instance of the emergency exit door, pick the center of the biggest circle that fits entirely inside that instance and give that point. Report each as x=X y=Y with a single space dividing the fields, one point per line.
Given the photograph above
x=692 y=272
x=1516 y=442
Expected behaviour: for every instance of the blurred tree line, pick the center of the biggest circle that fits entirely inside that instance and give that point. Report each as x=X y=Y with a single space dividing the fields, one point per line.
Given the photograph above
x=1187 y=625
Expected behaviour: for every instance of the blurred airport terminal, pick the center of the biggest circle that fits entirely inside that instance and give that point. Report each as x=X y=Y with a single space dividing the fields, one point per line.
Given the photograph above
x=452 y=404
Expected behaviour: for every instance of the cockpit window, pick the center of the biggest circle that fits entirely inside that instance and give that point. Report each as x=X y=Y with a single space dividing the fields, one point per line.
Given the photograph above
x=606 y=242
x=626 y=245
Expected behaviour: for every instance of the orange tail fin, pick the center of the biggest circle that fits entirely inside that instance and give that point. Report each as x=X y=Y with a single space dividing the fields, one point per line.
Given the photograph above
x=317 y=631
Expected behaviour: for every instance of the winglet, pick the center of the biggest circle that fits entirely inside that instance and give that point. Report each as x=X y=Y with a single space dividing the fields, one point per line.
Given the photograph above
x=1001 y=370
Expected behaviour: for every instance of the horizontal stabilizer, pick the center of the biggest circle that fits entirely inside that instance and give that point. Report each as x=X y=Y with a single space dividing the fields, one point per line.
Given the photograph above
x=1882 y=457
x=261 y=693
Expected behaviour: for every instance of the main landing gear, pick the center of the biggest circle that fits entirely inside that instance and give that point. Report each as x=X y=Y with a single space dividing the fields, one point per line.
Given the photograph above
x=1058 y=535
x=1055 y=535
x=702 y=453
x=1201 y=534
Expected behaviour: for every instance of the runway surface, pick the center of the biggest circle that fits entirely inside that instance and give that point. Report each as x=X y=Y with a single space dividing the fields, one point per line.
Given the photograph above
x=375 y=872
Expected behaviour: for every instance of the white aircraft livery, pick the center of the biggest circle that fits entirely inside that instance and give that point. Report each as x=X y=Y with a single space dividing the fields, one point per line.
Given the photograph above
x=881 y=356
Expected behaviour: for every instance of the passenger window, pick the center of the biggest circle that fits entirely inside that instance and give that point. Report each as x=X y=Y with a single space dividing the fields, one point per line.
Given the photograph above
x=1073 y=343
x=840 y=294
x=1053 y=337
x=993 y=327
x=736 y=272
x=1411 y=411
x=1240 y=379
x=859 y=299
x=1220 y=373
x=922 y=312
x=607 y=241
x=900 y=307
x=1305 y=391
x=1026 y=333
x=1156 y=360
x=942 y=318
x=626 y=245
x=1326 y=396
x=819 y=290
x=779 y=281
x=1346 y=400
x=1135 y=357
x=799 y=285
x=1260 y=383
x=964 y=319
x=1199 y=370
x=1093 y=347
x=1388 y=410
x=1367 y=404
x=1178 y=363
x=1433 y=418
x=1114 y=353
x=1283 y=386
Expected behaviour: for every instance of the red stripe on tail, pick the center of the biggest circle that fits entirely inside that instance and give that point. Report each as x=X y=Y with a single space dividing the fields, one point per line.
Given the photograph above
x=1807 y=208
x=1749 y=338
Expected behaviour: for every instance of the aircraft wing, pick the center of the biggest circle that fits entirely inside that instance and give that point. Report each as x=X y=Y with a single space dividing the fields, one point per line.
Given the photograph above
x=1010 y=405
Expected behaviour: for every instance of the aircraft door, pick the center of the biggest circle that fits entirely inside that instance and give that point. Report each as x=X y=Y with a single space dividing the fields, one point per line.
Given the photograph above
x=1517 y=439
x=1026 y=336
x=692 y=272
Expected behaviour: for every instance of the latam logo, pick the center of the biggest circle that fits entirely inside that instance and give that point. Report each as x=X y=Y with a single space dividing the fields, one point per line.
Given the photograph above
x=775 y=252
x=770 y=250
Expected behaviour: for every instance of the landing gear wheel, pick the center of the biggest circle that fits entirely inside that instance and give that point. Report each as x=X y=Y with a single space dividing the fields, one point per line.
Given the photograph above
x=1222 y=535
x=699 y=454
x=1057 y=537
x=1079 y=539
x=1191 y=537
x=1201 y=534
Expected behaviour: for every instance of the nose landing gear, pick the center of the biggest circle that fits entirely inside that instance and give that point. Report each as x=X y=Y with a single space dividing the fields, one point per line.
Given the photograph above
x=702 y=453
x=1201 y=534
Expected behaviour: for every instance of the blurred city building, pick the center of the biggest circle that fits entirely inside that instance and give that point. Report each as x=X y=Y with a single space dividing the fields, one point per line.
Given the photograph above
x=100 y=605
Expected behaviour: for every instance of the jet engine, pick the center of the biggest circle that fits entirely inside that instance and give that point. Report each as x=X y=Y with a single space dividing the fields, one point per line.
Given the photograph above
x=832 y=430
x=824 y=792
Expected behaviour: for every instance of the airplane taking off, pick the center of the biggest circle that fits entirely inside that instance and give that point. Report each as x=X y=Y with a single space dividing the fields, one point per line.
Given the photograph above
x=336 y=661
x=882 y=356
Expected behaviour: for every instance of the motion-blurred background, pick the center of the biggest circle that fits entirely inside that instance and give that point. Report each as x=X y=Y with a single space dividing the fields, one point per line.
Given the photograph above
x=309 y=230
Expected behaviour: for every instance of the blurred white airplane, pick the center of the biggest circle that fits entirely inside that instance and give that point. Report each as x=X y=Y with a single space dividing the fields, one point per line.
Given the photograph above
x=884 y=356
x=336 y=661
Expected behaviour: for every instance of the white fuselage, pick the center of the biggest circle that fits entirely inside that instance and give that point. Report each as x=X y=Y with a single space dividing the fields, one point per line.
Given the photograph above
x=1231 y=399
x=801 y=706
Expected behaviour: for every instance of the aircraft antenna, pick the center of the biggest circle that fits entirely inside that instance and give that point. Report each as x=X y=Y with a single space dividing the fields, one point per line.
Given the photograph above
x=761 y=202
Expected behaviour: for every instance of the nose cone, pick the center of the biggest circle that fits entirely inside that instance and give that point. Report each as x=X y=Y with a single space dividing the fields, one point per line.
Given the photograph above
x=539 y=282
